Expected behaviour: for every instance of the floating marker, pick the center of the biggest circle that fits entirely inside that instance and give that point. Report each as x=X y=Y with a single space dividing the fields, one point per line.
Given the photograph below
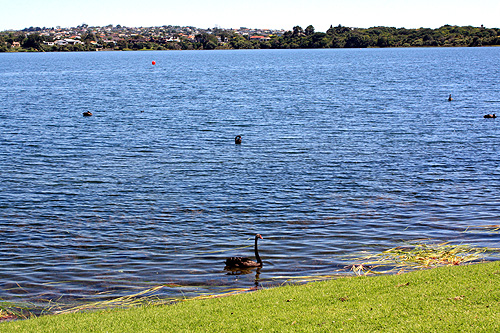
x=154 y=62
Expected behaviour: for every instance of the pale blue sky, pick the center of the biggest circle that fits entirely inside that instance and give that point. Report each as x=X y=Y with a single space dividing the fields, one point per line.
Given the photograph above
x=279 y=14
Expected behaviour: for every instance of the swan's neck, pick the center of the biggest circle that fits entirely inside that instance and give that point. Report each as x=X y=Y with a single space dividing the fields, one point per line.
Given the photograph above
x=257 y=257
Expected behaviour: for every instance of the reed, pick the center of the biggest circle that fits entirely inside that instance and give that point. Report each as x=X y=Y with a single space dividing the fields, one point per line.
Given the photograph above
x=415 y=256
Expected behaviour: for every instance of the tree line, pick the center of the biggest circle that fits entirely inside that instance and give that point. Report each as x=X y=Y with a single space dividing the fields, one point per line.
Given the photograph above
x=335 y=37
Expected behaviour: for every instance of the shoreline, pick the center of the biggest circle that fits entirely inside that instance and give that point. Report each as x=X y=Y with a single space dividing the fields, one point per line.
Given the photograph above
x=464 y=297
x=232 y=49
x=402 y=259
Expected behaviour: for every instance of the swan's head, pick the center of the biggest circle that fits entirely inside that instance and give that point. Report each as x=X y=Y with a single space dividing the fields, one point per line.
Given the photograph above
x=258 y=236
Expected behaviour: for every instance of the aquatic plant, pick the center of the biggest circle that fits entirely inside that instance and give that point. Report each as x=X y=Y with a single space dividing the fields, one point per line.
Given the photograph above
x=416 y=256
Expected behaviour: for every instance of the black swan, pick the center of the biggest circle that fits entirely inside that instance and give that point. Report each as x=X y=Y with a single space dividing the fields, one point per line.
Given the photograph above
x=237 y=139
x=240 y=262
x=450 y=99
x=490 y=115
x=87 y=114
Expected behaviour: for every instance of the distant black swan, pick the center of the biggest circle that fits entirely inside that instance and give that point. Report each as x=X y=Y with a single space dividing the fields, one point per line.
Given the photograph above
x=450 y=99
x=490 y=115
x=237 y=139
x=241 y=262
x=87 y=114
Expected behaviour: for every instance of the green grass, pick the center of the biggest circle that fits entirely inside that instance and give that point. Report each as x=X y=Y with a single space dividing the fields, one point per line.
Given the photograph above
x=456 y=298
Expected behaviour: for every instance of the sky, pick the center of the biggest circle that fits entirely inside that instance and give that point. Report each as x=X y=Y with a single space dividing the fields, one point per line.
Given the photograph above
x=264 y=14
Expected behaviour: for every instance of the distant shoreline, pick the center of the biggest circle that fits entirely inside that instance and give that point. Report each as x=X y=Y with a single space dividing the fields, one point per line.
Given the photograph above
x=84 y=38
x=222 y=49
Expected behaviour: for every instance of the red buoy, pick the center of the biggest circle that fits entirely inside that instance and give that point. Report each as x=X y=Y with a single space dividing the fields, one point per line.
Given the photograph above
x=154 y=62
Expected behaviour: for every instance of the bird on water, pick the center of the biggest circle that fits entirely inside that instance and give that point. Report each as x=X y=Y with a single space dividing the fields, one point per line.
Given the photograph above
x=242 y=262
x=237 y=139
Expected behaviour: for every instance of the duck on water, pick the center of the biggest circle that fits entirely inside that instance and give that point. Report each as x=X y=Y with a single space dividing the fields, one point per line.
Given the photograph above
x=244 y=263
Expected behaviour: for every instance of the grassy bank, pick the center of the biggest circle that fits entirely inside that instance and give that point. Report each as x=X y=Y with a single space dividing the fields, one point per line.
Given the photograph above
x=457 y=298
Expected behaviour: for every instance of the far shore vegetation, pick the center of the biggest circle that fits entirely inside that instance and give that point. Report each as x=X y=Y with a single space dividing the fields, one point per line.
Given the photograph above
x=85 y=38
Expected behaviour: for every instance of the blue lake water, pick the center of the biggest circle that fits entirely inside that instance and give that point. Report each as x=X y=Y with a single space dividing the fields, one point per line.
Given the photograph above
x=344 y=152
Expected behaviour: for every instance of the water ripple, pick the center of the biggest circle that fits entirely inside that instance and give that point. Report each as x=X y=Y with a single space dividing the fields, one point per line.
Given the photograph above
x=343 y=152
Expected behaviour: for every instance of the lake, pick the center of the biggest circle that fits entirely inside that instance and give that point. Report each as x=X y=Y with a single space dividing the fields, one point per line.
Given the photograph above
x=344 y=152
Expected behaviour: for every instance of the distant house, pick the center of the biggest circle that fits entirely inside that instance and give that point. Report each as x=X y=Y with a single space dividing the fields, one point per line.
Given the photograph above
x=260 y=38
x=16 y=44
x=73 y=41
x=67 y=41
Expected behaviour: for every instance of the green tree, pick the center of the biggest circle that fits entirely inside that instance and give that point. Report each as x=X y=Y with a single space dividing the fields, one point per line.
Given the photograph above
x=122 y=44
x=357 y=40
x=297 y=31
x=206 y=41
x=382 y=41
x=89 y=37
x=239 y=42
x=341 y=30
x=309 y=30
x=330 y=31
x=32 y=41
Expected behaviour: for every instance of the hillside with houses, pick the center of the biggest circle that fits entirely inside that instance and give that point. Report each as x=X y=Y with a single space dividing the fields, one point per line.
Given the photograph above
x=86 y=38
x=110 y=37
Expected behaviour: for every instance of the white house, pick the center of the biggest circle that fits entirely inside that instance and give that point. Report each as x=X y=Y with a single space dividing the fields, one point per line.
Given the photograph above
x=68 y=41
